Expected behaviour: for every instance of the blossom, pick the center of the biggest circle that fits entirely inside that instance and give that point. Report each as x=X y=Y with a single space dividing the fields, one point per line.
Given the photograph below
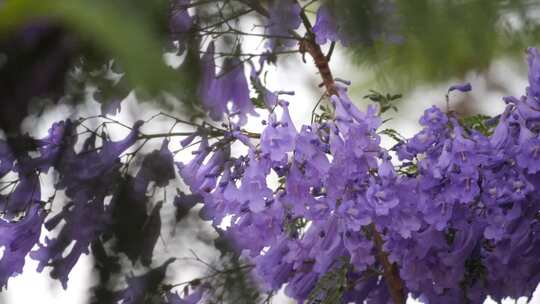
x=279 y=137
x=140 y=287
x=325 y=27
x=464 y=87
x=17 y=239
x=529 y=155
x=284 y=16
x=231 y=86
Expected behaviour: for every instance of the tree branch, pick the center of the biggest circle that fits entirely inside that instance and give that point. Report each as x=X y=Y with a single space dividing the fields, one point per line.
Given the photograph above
x=390 y=272
x=309 y=45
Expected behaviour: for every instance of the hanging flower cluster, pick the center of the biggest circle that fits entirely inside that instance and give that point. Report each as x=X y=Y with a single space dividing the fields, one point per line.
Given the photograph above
x=450 y=215
x=458 y=214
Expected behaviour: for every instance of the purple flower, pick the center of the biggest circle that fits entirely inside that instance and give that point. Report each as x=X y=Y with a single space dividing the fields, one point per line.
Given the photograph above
x=325 y=27
x=17 y=239
x=210 y=88
x=140 y=288
x=279 y=136
x=158 y=167
x=7 y=158
x=52 y=146
x=360 y=249
x=501 y=221
x=464 y=186
x=533 y=60
x=231 y=86
x=26 y=193
x=184 y=203
x=235 y=89
x=464 y=87
x=199 y=175
x=92 y=163
x=354 y=216
x=529 y=155
x=301 y=285
x=193 y=298
x=284 y=16
x=254 y=190
x=347 y=113
x=434 y=118
x=271 y=267
x=88 y=178
x=501 y=137
x=421 y=141
x=83 y=224
x=381 y=199
x=181 y=21
x=299 y=196
x=310 y=152
x=437 y=212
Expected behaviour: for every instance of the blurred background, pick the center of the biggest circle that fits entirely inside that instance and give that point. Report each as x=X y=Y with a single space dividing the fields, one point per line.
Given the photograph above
x=129 y=60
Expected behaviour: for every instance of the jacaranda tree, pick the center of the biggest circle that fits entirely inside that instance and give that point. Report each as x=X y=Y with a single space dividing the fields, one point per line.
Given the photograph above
x=321 y=210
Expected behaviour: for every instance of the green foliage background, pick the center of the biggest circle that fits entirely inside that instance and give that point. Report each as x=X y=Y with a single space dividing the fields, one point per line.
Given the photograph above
x=440 y=39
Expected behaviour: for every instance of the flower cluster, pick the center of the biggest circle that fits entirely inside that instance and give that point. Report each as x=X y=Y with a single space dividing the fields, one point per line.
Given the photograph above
x=450 y=215
x=458 y=214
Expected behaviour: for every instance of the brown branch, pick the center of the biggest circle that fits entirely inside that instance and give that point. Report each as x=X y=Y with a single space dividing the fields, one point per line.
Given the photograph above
x=390 y=271
x=308 y=44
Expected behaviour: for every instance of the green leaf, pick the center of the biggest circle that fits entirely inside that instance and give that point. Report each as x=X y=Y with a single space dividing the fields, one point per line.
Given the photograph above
x=392 y=134
x=260 y=92
x=331 y=286
x=112 y=27
x=386 y=102
x=409 y=169
x=440 y=39
x=479 y=123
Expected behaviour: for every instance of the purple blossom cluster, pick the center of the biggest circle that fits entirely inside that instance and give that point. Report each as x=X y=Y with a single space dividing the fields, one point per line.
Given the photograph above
x=455 y=210
x=87 y=173
x=458 y=211
x=322 y=211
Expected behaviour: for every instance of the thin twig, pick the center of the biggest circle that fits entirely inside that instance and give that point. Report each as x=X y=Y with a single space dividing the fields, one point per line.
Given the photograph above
x=219 y=272
x=330 y=51
x=309 y=45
